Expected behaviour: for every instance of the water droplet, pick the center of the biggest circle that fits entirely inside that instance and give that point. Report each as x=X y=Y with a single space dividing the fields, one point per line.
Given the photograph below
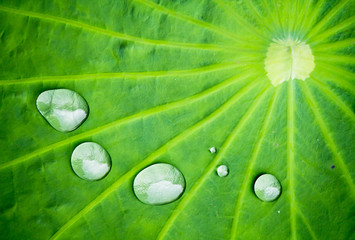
x=278 y=211
x=90 y=161
x=64 y=109
x=222 y=171
x=267 y=187
x=213 y=150
x=160 y=183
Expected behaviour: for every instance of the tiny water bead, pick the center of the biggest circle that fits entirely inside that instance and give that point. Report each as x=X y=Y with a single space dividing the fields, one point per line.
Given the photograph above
x=213 y=150
x=90 y=161
x=222 y=171
x=267 y=188
x=158 y=184
x=64 y=109
x=288 y=59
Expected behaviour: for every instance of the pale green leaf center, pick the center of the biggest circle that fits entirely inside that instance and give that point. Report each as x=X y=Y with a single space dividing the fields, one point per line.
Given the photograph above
x=288 y=59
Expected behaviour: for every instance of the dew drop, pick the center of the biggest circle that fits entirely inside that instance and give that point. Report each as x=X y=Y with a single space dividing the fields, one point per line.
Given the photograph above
x=278 y=211
x=213 y=150
x=64 y=109
x=158 y=184
x=222 y=171
x=267 y=188
x=90 y=161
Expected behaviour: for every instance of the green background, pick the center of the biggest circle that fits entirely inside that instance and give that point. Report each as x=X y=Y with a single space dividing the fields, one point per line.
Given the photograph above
x=166 y=80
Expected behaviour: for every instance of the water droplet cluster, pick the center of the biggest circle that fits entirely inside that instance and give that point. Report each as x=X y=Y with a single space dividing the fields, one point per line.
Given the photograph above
x=160 y=183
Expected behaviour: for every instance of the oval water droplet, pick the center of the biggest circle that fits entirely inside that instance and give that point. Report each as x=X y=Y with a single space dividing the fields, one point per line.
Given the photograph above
x=90 y=161
x=222 y=171
x=158 y=184
x=64 y=109
x=267 y=188
x=213 y=150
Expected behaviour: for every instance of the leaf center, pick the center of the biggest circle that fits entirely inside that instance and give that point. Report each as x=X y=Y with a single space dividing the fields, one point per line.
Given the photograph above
x=288 y=59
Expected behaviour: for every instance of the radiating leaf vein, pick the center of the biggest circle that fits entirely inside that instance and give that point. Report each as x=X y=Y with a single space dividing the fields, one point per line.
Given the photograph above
x=211 y=168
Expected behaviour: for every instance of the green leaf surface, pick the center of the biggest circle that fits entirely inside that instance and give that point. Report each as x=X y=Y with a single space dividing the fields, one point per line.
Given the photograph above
x=165 y=81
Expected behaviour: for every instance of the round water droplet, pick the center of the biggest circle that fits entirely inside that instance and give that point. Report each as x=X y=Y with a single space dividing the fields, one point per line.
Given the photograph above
x=222 y=171
x=160 y=183
x=64 y=109
x=90 y=161
x=213 y=150
x=267 y=187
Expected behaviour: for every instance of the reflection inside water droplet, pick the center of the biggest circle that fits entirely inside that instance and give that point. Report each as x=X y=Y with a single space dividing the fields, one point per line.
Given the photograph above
x=267 y=188
x=90 y=161
x=64 y=109
x=160 y=183
x=222 y=171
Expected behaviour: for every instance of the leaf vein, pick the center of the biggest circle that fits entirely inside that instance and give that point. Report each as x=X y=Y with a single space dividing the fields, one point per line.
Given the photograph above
x=290 y=154
x=189 y=195
x=329 y=140
x=254 y=155
x=136 y=75
x=110 y=33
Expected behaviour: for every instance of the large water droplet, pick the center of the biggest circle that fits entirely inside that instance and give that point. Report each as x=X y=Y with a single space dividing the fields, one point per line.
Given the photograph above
x=64 y=109
x=90 y=161
x=222 y=171
x=267 y=187
x=158 y=184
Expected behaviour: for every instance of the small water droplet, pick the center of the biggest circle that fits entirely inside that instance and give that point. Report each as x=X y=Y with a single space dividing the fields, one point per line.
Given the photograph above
x=213 y=150
x=158 y=184
x=222 y=171
x=267 y=188
x=317 y=139
x=278 y=211
x=64 y=109
x=90 y=161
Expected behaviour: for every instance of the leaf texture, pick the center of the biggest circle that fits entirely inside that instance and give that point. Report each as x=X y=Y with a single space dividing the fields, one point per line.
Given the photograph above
x=165 y=81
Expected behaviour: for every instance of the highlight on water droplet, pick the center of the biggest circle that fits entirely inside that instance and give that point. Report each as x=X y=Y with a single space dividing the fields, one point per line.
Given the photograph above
x=90 y=161
x=213 y=150
x=64 y=109
x=222 y=171
x=158 y=184
x=267 y=188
